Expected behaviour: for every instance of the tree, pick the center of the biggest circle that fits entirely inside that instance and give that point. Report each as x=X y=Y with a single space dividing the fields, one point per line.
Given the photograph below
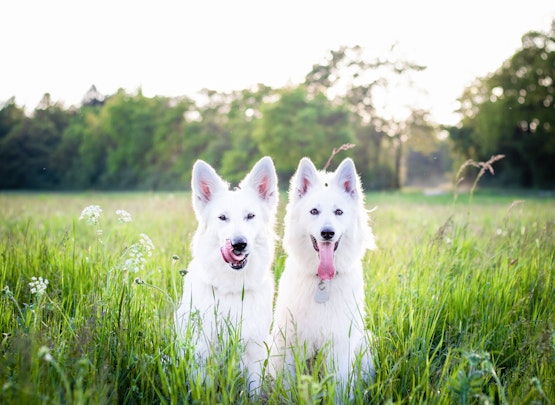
x=300 y=124
x=165 y=161
x=93 y=98
x=129 y=123
x=242 y=119
x=11 y=115
x=356 y=80
x=27 y=150
x=85 y=147
x=11 y=119
x=512 y=112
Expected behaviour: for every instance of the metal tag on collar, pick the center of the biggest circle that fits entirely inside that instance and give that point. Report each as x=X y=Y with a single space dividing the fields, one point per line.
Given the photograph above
x=322 y=293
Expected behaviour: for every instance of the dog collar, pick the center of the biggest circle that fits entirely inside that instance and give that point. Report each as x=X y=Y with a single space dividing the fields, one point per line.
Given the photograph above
x=322 y=292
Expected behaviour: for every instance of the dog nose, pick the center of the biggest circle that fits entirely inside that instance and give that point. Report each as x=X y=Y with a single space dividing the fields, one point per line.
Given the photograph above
x=327 y=233
x=239 y=243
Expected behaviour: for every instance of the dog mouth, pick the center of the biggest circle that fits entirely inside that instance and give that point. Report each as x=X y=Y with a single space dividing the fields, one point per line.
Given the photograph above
x=326 y=251
x=237 y=259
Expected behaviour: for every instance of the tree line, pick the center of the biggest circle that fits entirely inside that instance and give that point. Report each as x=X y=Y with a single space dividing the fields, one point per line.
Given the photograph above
x=512 y=112
x=126 y=141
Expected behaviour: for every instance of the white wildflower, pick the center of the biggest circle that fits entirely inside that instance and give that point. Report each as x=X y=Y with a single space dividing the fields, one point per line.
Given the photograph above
x=123 y=216
x=147 y=244
x=91 y=214
x=38 y=285
x=44 y=354
x=6 y=290
x=138 y=252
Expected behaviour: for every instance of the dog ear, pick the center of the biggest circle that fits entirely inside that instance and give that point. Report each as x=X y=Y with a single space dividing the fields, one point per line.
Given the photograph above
x=263 y=179
x=305 y=177
x=347 y=178
x=205 y=183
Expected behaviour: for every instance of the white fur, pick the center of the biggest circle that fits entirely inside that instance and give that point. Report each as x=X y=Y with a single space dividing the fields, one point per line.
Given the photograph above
x=215 y=295
x=336 y=326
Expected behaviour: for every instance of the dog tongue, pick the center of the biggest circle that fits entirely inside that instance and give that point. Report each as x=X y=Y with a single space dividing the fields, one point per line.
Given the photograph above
x=227 y=253
x=326 y=270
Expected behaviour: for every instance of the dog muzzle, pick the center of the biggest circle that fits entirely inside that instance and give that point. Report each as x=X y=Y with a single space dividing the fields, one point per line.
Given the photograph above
x=234 y=255
x=326 y=252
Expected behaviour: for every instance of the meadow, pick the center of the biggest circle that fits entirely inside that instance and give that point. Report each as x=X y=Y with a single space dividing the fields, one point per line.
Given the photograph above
x=460 y=300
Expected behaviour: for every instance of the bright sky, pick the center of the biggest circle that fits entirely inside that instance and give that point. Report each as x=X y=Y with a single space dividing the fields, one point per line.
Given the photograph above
x=172 y=48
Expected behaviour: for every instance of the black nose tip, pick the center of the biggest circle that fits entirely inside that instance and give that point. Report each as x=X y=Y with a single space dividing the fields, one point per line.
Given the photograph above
x=327 y=233
x=239 y=244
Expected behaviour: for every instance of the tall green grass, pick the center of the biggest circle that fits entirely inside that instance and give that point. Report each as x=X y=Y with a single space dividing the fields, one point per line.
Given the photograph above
x=460 y=300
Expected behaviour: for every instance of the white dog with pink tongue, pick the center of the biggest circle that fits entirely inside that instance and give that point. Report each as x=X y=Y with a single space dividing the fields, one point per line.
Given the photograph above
x=320 y=304
x=229 y=287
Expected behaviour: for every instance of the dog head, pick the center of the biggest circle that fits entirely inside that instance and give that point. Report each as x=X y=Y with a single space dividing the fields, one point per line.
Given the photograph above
x=232 y=221
x=327 y=223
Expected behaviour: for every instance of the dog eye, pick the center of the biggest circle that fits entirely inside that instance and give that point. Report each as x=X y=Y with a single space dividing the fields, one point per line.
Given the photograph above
x=338 y=212
x=314 y=211
x=250 y=215
x=223 y=217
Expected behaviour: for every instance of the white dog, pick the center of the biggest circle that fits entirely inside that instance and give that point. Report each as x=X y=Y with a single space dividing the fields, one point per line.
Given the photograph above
x=320 y=303
x=229 y=280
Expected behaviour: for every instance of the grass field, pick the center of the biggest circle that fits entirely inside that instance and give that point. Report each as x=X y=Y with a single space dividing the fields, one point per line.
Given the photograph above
x=460 y=299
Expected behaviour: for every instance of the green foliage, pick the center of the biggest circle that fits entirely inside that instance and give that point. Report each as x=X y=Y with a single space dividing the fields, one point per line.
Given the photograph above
x=26 y=150
x=243 y=117
x=354 y=78
x=132 y=142
x=128 y=124
x=167 y=162
x=10 y=117
x=459 y=301
x=298 y=125
x=512 y=112
x=83 y=150
x=129 y=141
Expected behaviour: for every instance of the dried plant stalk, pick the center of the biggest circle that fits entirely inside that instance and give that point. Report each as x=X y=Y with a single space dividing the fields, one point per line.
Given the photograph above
x=483 y=166
x=345 y=146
